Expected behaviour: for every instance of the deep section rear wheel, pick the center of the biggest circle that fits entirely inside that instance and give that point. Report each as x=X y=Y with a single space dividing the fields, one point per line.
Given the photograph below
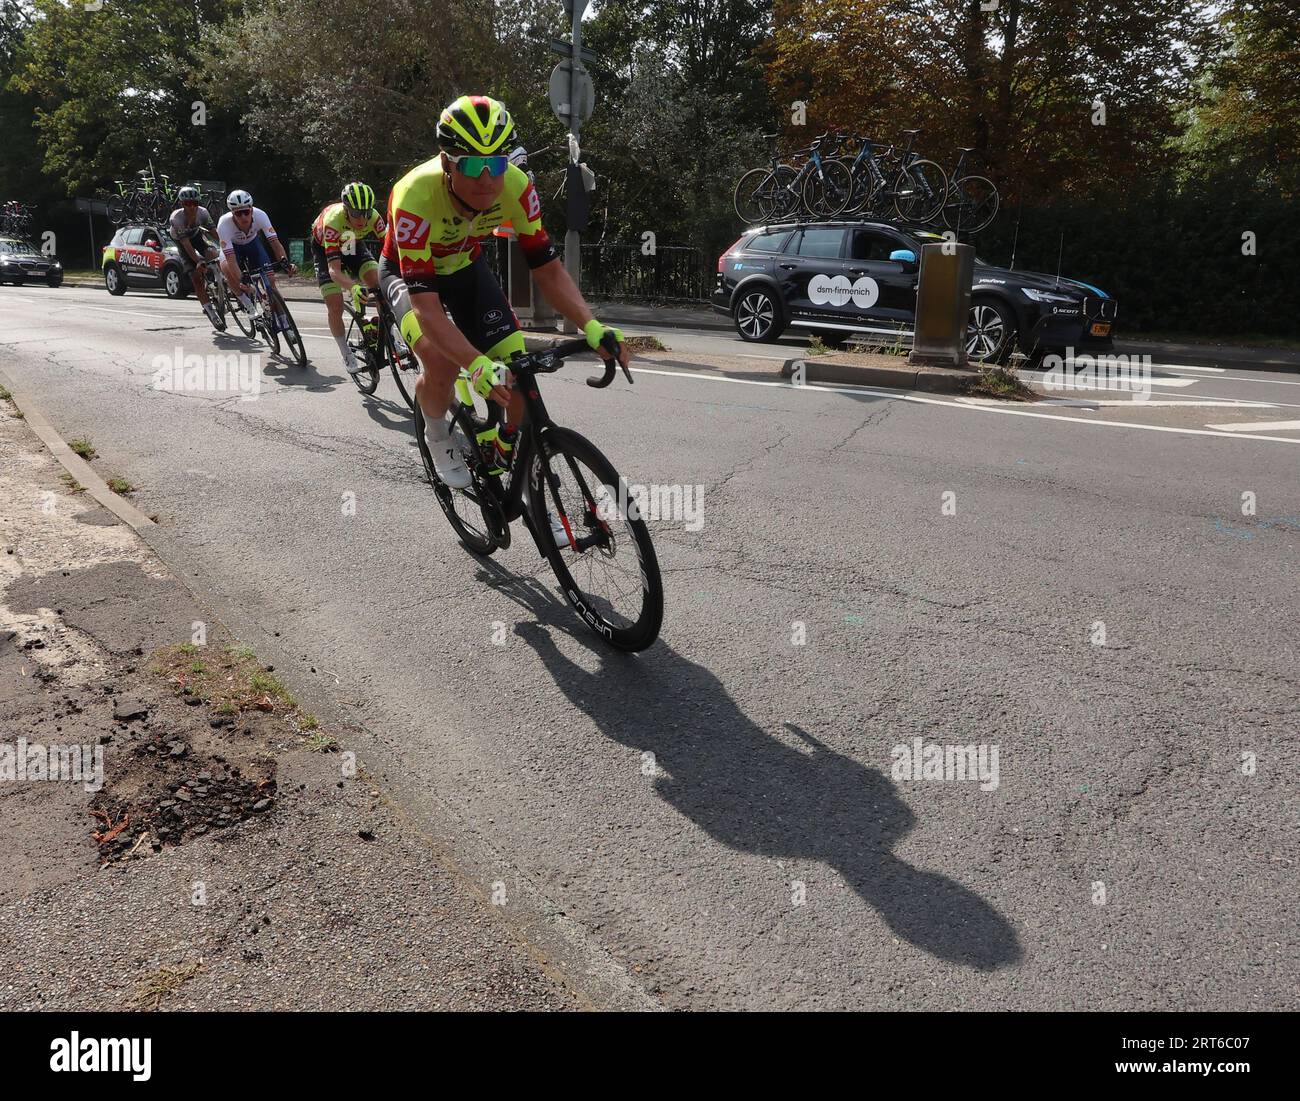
x=292 y=338
x=607 y=566
x=405 y=368
x=240 y=315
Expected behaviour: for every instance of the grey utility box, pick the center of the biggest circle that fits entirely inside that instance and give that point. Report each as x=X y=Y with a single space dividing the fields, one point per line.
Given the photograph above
x=943 y=305
x=526 y=297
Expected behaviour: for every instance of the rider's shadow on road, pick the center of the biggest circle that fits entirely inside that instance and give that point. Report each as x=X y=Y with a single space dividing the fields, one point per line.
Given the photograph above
x=284 y=369
x=391 y=414
x=758 y=795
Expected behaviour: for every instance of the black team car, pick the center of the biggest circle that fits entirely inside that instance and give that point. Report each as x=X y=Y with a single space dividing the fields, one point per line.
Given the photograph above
x=21 y=262
x=834 y=279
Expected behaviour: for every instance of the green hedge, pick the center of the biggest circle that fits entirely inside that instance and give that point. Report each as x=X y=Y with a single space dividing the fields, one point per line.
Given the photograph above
x=1172 y=257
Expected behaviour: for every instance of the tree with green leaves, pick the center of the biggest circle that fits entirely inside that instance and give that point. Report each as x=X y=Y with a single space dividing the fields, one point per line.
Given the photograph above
x=110 y=88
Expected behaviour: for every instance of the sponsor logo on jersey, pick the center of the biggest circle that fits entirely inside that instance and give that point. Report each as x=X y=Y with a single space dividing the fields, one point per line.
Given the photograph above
x=531 y=203
x=410 y=231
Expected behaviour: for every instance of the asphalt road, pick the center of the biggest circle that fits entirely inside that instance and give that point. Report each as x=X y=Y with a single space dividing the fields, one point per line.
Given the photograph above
x=1075 y=588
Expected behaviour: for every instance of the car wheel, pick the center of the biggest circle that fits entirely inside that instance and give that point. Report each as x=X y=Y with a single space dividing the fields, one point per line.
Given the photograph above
x=990 y=331
x=757 y=315
x=173 y=284
x=114 y=280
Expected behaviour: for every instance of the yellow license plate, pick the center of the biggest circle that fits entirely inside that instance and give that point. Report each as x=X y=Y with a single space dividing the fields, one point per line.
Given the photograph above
x=1101 y=328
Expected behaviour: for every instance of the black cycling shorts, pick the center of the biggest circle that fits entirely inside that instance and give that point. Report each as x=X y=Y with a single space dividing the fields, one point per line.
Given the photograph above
x=203 y=245
x=360 y=260
x=472 y=296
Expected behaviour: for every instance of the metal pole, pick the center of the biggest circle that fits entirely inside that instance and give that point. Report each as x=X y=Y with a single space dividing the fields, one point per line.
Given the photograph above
x=572 y=239
x=90 y=221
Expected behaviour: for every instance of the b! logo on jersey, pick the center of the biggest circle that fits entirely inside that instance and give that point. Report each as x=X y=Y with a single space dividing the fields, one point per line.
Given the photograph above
x=531 y=203
x=410 y=231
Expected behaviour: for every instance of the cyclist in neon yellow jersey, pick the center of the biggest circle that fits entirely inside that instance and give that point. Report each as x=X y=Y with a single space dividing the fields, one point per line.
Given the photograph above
x=438 y=213
x=342 y=257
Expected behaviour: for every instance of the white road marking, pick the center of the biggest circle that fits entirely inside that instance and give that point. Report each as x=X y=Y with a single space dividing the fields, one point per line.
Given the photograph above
x=1185 y=367
x=1173 y=403
x=1261 y=426
x=1247 y=378
x=899 y=395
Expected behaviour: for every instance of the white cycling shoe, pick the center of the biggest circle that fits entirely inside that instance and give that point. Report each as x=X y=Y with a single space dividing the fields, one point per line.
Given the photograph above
x=447 y=461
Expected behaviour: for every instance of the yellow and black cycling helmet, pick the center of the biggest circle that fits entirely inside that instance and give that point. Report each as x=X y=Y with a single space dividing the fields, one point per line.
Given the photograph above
x=477 y=125
x=358 y=197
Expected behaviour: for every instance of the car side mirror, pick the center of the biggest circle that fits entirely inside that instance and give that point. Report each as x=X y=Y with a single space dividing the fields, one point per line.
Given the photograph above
x=903 y=256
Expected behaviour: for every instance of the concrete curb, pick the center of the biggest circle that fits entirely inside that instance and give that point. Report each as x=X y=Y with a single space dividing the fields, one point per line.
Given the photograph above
x=75 y=465
x=933 y=380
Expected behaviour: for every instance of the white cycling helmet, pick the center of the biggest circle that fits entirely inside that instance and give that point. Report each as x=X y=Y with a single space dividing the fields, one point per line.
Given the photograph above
x=239 y=200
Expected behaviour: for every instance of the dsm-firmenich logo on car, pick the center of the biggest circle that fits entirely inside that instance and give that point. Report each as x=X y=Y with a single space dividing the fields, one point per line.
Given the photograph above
x=844 y=277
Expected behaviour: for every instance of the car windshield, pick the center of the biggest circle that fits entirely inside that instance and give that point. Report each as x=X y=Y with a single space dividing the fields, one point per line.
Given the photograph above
x=926 y=237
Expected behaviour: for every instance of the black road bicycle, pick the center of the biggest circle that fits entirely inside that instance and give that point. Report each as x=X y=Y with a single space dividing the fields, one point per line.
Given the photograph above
x=889 y=182
x=972 y=200
x=271 y=317
x=580 y=512
x=217 y=293
x=821 y=186
x=374 y=342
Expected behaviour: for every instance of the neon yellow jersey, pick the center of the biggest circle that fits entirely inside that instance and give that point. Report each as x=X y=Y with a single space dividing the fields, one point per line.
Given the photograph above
x=428 y=235
x=331 y=231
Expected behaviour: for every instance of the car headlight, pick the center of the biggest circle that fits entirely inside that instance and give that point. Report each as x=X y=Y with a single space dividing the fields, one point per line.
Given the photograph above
x=1047 y=296
x=57 y=264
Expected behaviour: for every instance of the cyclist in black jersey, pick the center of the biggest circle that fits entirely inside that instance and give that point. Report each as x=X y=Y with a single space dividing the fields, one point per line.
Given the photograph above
x=192 y=228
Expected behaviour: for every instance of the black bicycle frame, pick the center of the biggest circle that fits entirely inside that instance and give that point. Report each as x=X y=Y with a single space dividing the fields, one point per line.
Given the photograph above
x=537 y=424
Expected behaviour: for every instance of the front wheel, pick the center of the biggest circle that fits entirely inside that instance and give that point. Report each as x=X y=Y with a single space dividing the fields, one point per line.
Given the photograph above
x=237 y=311
x=757 y=315
x=176 y=283
x=589 y=522
x=216 y=289
x=367 y=379
x=990 y=331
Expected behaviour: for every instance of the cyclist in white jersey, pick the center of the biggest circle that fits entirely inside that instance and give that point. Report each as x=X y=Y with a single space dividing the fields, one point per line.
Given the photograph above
x=241 y=231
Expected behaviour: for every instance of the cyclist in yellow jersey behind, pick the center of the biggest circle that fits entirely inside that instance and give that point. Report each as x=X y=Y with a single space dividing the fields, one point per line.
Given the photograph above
x=342 y=257
x=438 y=213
